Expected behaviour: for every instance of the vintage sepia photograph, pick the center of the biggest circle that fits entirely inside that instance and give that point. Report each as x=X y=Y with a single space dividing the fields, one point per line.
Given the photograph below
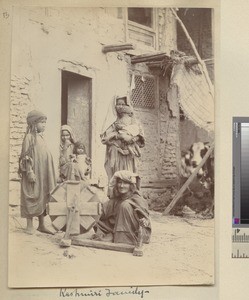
x=111 y=147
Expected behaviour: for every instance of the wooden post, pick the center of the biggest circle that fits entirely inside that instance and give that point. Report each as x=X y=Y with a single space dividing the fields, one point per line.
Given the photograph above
x=138 y=251
x=66 y=241
x=189 y=180
x=148 y=57
x=102 y=245
x=114 y=48
x=204 y=68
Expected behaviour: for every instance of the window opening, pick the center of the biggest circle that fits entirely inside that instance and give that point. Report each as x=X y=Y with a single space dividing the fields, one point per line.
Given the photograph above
x=144 y=94
x=141 y=16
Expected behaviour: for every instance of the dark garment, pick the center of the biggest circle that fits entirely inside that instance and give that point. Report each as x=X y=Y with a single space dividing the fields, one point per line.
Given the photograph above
x=37 y=158
x=120 y=220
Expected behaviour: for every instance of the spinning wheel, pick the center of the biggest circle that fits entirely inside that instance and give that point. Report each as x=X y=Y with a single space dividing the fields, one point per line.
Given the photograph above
x=76 y=195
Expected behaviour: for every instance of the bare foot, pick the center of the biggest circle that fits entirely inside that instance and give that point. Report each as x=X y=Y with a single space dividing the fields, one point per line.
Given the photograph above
x=44 y=229
x=30 y=230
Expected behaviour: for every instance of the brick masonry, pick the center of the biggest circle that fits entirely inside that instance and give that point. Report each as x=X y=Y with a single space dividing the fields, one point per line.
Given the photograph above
x=20 y=105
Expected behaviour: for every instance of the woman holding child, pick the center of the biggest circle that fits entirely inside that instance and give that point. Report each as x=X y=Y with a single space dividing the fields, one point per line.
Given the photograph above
x=74 y=163
x=123 y=140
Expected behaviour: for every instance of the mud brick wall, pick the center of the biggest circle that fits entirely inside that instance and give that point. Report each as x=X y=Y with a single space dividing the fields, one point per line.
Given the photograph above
x=149 y=161
x=169 y=132
x=20 y=105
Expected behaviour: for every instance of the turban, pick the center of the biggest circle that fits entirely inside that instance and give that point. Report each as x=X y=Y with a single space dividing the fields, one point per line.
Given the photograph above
x=34 y=117
x=126 y=176
x=70 y=130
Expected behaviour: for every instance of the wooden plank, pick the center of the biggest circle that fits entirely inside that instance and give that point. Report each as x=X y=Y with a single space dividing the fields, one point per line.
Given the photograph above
x=160 y=184
x=59 y=193
x=148 y=57
x=189 y=180
x=95 y=198
x=155 y=64
x=87 y=222
x=73 y=194
x=60 y=208
x=86 y=195
x=75 y=223
x=89 y=208
x=102 y=245
x=117 y=47
x=167 y=182
x=57 y=208
x=60 y=222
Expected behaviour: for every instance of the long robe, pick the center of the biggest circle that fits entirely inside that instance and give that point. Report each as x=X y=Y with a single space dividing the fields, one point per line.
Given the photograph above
x=119 y=220
x=35 y=196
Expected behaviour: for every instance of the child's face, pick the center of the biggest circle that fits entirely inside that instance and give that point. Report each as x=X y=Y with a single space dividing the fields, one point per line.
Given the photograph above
x=65 y=136
x=80 y=151
x=40 y=126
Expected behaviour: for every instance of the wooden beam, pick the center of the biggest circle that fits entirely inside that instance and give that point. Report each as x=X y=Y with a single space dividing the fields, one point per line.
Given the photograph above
x=102 y=245
x=160 y=184
x=86 y=209
x=154 y=64
x=60 y=222
x=148 y=57
x=201 y=62
x=189 y=180
x=119 y=47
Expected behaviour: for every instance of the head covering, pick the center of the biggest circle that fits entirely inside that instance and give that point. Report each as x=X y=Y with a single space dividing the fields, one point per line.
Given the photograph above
x=70 y=130
x=111 y=115
x=34 y=117
x=121 y=97
x=126 y=176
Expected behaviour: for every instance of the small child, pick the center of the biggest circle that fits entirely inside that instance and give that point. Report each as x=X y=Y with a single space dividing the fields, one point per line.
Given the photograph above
x=81 y=160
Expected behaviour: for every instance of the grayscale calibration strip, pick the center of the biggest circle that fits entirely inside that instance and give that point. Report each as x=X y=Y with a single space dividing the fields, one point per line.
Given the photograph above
x=240 y=224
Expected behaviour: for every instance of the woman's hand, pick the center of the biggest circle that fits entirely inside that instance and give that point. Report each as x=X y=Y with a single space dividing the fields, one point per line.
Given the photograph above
x=62 y=161
x=72 y=158
x=67 y=143
x=143 y=222
x=31 y=177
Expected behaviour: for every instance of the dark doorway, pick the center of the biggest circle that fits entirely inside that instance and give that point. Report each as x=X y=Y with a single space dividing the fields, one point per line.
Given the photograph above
x=76 y=104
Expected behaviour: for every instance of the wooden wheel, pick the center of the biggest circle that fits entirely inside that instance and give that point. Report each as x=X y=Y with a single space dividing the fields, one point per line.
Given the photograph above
x=80 y=195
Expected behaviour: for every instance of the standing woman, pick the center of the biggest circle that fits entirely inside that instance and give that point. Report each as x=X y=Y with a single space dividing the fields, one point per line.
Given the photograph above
x=66 y=153
x=37 y=173
x=116 y=158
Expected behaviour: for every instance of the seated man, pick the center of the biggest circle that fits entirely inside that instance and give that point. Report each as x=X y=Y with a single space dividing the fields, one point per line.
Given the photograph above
x=124 y=212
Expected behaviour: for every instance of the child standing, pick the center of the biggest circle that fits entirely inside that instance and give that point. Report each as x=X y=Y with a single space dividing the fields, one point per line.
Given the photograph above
x=36 y=171
x=82 y=161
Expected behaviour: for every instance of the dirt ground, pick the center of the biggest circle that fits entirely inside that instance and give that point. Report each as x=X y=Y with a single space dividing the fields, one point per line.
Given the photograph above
x=181 y=251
